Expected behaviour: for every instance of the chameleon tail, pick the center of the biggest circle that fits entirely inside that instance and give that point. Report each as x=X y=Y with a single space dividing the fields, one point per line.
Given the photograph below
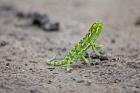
x=56 y=63
x=60 y=63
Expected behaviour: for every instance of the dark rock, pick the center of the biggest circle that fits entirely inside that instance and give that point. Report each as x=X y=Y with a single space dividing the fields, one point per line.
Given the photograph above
x=102 y=58
x=53 y=26
x=51 y=68
x=3 y=43
x=49 y=82
x=64 y=49
x=80 y=81
x=8 y=59
x=7 y=64
x=137 y=86
x=37 y=19
x=137 y=22
x=50 y=49
x=73 y=78
x=7 y=8
x=86 y=55
x=40 y=20
x=117 y=81
x=93 y=56
x=32 y=61
x=35 y=91
x=94 y=63
x=113 y=41
x=31 y=69
x=20 y=15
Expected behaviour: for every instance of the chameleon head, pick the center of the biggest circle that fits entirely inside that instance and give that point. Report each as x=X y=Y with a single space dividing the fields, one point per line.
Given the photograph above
x=96 y=28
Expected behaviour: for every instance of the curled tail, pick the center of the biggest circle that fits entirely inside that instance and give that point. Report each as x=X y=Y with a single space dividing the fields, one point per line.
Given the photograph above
x=56 y=63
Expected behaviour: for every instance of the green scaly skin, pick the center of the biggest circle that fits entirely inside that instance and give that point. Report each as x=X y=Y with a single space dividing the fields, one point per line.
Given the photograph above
x=79 y=50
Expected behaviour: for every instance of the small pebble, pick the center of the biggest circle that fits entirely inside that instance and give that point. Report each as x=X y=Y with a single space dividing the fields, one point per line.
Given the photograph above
x=73 y=78
x=30 y=69
x=49 y=82
x=137 y=23
x=137 y=86
x=8 y=59
x=7 y=64
x=51 y=68
x=32 y=61
x=117 y=80
x=86 y=55
x=80 y=81
x=93 y=56
x=94 y=63
x=113 y=41
x=102 y=58
x=64 y=49
x=50 y=49
x=35 y=91
x=51 y=26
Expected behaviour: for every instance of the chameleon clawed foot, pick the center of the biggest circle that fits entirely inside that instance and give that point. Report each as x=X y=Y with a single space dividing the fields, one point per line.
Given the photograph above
x=85 y=60
x=95 y=48
x=69 y=68
x=97 y=45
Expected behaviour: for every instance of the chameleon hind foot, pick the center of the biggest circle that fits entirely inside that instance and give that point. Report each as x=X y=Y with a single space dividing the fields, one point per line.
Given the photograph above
x=68 y=67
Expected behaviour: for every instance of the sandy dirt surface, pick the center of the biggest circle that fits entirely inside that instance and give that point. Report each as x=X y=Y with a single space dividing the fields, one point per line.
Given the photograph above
x=24 y=49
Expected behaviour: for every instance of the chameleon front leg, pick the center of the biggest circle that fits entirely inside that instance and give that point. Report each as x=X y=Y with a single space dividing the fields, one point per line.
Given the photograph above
x=97 y=45
x=85 y=60
x=95 y=48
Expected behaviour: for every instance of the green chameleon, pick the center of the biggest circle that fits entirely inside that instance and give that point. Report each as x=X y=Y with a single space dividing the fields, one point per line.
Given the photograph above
x=79 y=50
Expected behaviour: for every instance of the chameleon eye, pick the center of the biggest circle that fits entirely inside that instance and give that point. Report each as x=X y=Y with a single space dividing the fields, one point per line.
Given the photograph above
x=94 y=26
x=100 y=25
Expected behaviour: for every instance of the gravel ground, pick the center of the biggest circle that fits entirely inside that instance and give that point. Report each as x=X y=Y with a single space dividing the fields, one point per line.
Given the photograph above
x=24 y=48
